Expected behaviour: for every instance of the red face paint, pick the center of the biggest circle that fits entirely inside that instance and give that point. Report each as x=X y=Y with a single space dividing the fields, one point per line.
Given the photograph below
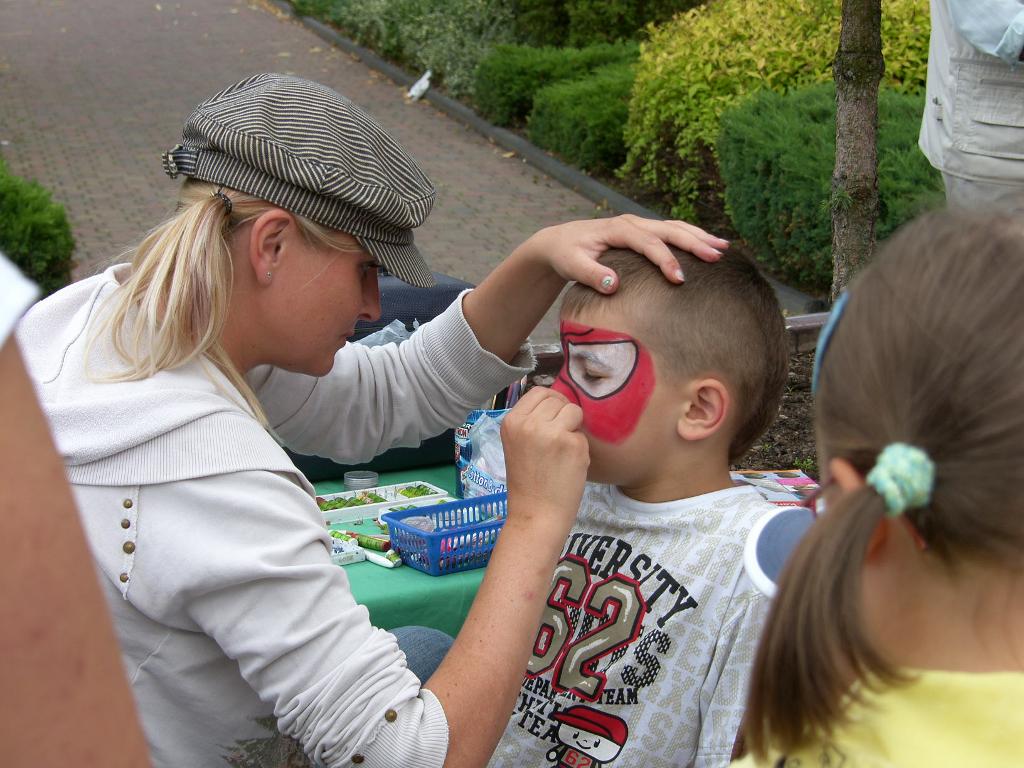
x=610 y=375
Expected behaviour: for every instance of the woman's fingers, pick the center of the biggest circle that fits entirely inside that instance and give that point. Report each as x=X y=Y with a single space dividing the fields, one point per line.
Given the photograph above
x=546 y=456
x=714 y=241
x=682 y=235
x=651 y=237
x=535 y=398
x=544 y=413
x=569 y=417
x=596 y=275
x=572 y=249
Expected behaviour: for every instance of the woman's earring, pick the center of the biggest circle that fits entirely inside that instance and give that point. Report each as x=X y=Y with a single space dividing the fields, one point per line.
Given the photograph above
x=269 y=277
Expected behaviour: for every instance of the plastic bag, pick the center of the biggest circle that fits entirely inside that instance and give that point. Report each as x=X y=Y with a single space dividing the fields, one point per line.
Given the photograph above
x=479 y=455
x=421 y=522
x=395 y=331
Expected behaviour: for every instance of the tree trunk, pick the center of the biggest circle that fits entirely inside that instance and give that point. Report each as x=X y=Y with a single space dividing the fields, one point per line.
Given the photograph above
x=857 y=68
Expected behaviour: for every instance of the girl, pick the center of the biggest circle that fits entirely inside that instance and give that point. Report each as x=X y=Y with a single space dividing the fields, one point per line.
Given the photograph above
x=163 y=379
x=897 y=635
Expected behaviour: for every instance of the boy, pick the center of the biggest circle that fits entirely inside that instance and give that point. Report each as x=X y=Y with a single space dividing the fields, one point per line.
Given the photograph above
x=644 y=650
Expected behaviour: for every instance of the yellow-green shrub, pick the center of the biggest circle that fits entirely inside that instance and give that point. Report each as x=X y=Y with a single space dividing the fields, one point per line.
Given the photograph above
x=695 y=66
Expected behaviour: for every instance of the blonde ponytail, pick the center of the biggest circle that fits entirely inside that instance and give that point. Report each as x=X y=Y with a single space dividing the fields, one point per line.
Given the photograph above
x=172 y=308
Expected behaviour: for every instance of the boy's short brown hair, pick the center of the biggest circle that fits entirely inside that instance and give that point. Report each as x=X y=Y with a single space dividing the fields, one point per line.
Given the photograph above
x=724 y=320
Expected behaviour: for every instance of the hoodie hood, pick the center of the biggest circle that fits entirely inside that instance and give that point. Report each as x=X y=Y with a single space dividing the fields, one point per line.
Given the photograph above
x=181 y=423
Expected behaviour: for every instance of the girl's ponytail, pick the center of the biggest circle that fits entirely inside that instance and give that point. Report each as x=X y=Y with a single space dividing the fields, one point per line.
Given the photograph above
x=814 y=645
x=922 y=392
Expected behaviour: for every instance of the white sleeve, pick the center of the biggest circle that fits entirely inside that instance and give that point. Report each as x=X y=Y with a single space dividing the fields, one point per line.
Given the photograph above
x=243 y=559
x=409 y=740
x=16 y=295
x=995 y=27
x=380 y=397
x=723 y=696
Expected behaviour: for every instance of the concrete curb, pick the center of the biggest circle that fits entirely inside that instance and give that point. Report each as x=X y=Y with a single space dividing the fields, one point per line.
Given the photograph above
x=793 y=301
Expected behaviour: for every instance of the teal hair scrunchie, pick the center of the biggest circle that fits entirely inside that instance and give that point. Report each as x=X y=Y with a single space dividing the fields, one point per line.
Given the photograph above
x=903 y=476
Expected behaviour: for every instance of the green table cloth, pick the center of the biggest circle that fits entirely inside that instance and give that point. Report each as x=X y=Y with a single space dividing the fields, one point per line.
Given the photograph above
x=403 y=596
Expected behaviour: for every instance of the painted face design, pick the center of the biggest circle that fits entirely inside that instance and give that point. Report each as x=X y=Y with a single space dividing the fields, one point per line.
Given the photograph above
x=610 y=375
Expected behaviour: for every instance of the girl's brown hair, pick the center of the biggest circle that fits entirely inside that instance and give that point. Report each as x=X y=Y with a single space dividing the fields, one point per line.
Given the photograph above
x=930 y=352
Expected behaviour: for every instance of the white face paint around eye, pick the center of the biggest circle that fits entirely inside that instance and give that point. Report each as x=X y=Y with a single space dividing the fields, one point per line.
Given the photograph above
x=601 y=370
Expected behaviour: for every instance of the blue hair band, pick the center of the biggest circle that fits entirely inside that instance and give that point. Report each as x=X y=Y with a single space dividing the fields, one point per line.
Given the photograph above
x=904 y=477
x=826 y=336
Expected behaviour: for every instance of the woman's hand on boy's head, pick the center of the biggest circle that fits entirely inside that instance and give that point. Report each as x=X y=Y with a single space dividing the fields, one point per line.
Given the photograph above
x=546 y=456
x=659 y=232
x=572 y=249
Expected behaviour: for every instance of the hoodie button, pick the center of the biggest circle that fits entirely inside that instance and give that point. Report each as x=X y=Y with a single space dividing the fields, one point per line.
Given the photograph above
x=391 y=715
x=127 y=503
x=124 y=578
x=126 y=523
x=357 y=759
x=129 y=547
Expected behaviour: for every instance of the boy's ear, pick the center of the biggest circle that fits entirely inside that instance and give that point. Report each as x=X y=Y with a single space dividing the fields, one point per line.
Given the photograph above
x=705 y=406
x=267 y=238
x=845 y=475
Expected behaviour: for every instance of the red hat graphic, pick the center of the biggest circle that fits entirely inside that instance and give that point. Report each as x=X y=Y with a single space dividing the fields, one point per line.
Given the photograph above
x=594 y=721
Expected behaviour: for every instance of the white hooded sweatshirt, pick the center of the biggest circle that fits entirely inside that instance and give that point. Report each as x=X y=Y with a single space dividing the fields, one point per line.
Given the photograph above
x=238 y=633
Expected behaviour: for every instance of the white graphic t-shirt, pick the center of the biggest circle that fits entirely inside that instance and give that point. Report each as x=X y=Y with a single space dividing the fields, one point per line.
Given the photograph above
x=647 y=640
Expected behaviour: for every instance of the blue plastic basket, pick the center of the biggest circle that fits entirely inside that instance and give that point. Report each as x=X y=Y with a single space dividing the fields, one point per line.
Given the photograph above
x=463 y=537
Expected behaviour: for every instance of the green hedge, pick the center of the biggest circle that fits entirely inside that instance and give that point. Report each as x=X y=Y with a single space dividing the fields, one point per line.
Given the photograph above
x=449 y=37
x=319 y=9
x=34 y=232
x=776 y=156
x=696 y=66
x=541 y=22
x=583 y=120
x=594 y=21
x=452 y=36
x=378 y=24
x=581 y=23
x=509 y=77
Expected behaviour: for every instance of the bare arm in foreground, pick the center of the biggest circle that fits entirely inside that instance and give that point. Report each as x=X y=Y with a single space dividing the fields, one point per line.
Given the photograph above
x=62 y=676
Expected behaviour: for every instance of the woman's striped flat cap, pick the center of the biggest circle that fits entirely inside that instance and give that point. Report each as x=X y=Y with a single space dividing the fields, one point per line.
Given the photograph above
x=308 y=149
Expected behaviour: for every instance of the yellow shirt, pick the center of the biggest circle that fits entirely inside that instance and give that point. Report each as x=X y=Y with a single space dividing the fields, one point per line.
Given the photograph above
x=939 y=719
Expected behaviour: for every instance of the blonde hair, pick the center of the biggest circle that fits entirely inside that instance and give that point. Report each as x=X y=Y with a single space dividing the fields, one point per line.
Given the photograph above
x=930 y=352
x=172 y=308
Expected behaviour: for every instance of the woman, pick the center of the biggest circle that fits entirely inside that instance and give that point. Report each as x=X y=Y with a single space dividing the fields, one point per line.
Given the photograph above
x=165 y=379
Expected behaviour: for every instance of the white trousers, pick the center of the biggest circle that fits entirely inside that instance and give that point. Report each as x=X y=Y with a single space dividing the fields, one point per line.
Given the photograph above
x=982 y=195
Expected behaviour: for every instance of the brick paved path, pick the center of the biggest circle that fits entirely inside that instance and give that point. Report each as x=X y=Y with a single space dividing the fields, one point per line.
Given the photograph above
x=91 y=92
